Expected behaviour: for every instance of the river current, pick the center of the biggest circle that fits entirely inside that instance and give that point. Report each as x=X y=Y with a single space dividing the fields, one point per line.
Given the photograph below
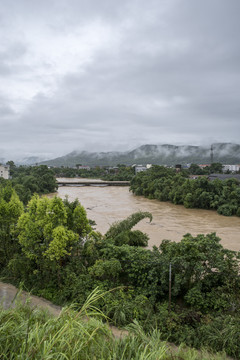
x=108 y=204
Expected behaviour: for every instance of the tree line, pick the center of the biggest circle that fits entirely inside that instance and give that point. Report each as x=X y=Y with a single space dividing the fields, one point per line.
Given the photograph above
x=166 y=185
x=51 y=248
x=28 y=180
x=120 y=173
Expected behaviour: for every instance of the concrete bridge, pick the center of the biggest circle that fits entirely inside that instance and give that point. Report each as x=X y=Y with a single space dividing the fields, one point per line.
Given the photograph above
x=92 y=183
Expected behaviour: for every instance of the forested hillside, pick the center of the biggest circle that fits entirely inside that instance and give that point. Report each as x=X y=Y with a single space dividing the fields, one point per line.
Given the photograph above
x=153 y=154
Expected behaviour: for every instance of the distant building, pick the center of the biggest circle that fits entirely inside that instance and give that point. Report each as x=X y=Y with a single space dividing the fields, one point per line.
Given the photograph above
x=232 y=168
x=139 y=168
x=82 y=167
x=5 y=171
x=223 y=176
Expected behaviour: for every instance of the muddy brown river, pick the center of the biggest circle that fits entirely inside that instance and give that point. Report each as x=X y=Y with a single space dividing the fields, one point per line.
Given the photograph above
x=107 y=204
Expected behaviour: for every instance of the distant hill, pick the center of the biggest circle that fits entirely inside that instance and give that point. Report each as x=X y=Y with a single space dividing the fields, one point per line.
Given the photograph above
x=31 y=160
x=166 y=154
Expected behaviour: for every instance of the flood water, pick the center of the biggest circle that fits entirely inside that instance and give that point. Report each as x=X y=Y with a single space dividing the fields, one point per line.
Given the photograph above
x=108 y=204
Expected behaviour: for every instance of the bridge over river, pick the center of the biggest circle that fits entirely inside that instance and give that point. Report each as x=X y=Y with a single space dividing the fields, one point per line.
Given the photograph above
x=90 y=182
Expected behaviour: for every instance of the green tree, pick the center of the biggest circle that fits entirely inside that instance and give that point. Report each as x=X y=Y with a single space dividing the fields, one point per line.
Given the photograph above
x=10 y=210
x=216 y=168
x=127 y=224
x=121 y=231
x=12 y=167
x=194 y=169
x=49 y=233
x=33 y=179
x=203 y=271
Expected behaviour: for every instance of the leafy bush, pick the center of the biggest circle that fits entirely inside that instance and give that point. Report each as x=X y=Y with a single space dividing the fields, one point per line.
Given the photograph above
x=227 y=210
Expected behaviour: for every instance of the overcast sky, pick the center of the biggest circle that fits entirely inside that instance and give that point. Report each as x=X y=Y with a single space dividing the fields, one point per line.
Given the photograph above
x=103 y=75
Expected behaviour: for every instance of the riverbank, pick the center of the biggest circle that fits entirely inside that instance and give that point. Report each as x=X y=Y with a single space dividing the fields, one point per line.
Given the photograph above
x=106 y=205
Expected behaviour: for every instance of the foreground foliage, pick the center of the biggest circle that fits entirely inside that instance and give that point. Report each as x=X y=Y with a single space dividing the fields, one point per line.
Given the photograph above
x=10 y=210
x=30 y=333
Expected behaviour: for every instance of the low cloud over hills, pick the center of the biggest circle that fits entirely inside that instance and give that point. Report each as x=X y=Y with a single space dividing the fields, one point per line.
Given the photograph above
x=166 y=154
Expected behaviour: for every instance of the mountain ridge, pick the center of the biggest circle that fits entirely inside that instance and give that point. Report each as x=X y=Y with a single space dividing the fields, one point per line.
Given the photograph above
x=165 y=154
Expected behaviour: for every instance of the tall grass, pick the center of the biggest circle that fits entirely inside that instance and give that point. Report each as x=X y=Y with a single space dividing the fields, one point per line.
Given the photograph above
x=28 y=333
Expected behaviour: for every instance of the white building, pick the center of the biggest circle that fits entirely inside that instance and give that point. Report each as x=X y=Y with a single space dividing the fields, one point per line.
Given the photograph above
x=5 y=171
x=231 y=168
x=139 y=168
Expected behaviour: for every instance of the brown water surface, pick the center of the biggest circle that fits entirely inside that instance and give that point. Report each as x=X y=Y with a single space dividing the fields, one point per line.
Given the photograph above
x=108 y=204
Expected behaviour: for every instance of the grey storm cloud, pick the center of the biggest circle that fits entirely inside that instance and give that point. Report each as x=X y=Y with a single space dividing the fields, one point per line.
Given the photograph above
x=110 y=75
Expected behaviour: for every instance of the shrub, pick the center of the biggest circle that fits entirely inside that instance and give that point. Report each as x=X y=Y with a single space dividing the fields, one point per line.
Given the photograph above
x=227 y=210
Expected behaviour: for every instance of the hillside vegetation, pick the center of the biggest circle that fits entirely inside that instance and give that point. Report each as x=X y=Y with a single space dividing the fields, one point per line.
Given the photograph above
x=153 y=154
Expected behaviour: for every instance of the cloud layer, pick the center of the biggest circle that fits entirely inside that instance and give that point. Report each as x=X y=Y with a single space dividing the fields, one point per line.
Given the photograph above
x=109 y=75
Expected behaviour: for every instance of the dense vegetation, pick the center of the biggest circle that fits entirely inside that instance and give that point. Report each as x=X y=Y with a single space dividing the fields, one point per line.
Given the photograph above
x=166 y=185
x=28 y=180
x=28 y=333
x=195 y=169
x=51 y=249
x=118 y=173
